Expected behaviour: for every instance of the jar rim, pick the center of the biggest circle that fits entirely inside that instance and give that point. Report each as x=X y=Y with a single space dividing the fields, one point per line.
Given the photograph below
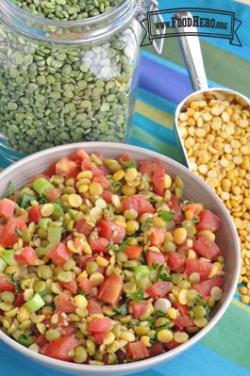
x=38 y=27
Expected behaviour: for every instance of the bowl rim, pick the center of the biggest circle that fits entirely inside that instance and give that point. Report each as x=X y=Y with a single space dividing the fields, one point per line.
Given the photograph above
x=149 y=362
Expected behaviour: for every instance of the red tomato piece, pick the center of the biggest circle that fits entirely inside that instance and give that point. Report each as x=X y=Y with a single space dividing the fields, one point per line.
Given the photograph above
x=7 y=208
x=83 y=227
x=60 y=348
x=86 y=285
x=206 y=247
x=200 y=266
x=64 y=302
x=59 y=254
x=183 y=322
x=175 y=207
x=155 y=258
x=65 y=167
x=6 y=284
x=53 y=195
x=139 y=203
x=156 y=349
x=99 y=245
x=158 y=178
x=110 y=289
x=124 y=158
x=137 y=309
x=94 y=307
x=182 y=308
x=159 y=289
x=9 y=234
x=34 y=214
x=70 y=286
x=136 y=350
x=19 y=299
x=79 y=156
x=209 y=221
x=102 y=325
x=99 y=337
x=27 y=256
x=157 y=236
x=133 y=252
x=102 y=180
x=111 y=231
x=176 y=262
x=107 y=196
x=194 y=209
x=205 y=287
x=171 y=345
x=51 y=170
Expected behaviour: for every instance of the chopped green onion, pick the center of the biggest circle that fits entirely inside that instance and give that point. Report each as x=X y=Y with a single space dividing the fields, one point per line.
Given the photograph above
x=35 y=303
x=8 y=257
x=2 y=265
x=42 y=185
x=44 y=293
x=25 y=200
x=167 y=215
x=25 y=340
x=54 y=234
x=10 y=190
x=129 y=164
x=141 y=272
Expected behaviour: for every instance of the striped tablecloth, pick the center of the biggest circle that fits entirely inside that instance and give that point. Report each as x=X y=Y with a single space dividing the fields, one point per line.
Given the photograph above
x=163 y=82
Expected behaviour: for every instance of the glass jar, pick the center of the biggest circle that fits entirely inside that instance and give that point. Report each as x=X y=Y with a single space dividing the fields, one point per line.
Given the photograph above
x=65 y=81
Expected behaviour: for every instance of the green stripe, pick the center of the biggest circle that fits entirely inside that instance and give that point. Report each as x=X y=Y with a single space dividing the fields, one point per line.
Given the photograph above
x=228 y=338
x=157 y=144
x=221 y=66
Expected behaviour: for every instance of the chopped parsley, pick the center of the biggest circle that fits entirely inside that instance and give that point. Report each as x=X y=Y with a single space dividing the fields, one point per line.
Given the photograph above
x=138 y=295
x=129 y=164
x=122 y=310
x=167 y=215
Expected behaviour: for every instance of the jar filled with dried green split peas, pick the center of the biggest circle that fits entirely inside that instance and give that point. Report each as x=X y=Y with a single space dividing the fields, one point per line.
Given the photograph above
x=66 y=72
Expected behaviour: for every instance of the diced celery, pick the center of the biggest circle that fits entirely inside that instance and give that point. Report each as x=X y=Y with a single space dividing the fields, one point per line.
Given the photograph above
x=2 y=265
x=8 y=257
x=35 y=303
x=141 y=271
x=44 y=223
x=42 y=185
x=58 y=211
x=54 y=234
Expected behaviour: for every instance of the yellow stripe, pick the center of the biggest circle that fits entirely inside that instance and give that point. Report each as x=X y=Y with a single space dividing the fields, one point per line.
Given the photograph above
x=158 y=116
x=241 y=305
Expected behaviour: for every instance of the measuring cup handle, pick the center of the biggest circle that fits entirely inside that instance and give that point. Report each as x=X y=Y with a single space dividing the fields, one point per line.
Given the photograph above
x=192 y=55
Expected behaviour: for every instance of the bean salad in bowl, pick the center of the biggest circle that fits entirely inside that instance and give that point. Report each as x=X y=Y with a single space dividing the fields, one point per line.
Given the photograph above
x=103 y=261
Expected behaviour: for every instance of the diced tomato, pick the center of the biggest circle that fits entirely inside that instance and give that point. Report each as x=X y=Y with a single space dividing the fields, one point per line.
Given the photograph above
x=27 y=256
x=100 y=325
x=183 y=322
x=19 y=299
x=193 y=209
x=107 y=196
x=157 y=236
x=176 y=262
x=111 y=231
x=110 y=289
x=205 y=287
x=99 y=337
x=137 y=309
x=51 y=170
x=34 y=214
x=206 y=247
x=83 y=227
x=182 y=308
x=79 y=156
x=159 y=289
x=9 y=235
x=64 y=302
x=156 y=171
x=133 y=252
x=53 y=194
x=65 y=167
x=155 y=258
x=139 y=203
x=99 y=245
x=124 y=158
x=171 y=345
x=175 y=206
x=6 y=284
x=70 y=286
x=59 y=254
x=94 y=307
x=209 y=221
x=7 y=208
x=102 y=180
x=156 y=349
x=136 y=350
x=60 y=348
x=86 y=285
x=200 y=266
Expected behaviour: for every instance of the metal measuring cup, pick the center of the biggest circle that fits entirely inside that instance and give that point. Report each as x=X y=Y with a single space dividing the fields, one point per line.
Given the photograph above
x=192 y=55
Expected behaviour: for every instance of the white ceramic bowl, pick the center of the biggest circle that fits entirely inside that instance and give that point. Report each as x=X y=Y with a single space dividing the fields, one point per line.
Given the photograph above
x=195 y=189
